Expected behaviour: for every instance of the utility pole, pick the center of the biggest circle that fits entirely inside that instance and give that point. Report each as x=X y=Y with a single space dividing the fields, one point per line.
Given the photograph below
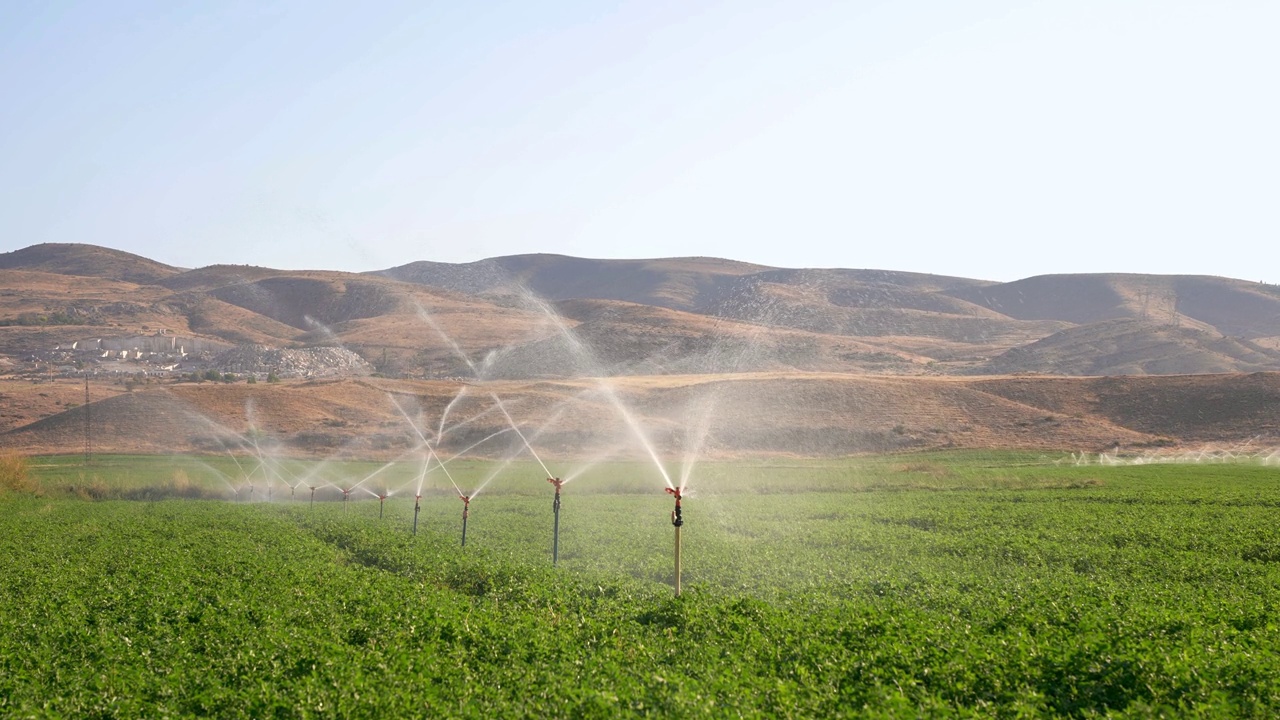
x=88 y=436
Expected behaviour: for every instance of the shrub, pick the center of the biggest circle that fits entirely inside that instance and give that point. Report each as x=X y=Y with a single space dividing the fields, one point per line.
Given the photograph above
x=14 y=476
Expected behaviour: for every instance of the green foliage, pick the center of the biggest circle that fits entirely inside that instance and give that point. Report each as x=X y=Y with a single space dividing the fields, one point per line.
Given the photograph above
x=962 y=584
x=251 y=379
x=57 y=317
x=272 y=377
x=212 y=375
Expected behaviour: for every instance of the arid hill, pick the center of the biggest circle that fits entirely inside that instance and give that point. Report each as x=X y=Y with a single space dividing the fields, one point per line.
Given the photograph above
x=86 y=261
x=740 y=415
x=673 y=315
x=806 y=362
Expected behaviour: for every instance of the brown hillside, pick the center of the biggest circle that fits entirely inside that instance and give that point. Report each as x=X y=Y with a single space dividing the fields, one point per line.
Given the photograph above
x=754 y=414
x=668 y=282
x=1134 y=347
x=674 y=315
x=628 y=338
x=86 y=261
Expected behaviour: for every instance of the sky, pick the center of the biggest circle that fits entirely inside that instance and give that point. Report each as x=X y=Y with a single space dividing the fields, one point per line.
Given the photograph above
x=994 y=139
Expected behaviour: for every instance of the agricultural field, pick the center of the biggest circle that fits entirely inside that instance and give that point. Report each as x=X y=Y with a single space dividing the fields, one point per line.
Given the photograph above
x=946 y=584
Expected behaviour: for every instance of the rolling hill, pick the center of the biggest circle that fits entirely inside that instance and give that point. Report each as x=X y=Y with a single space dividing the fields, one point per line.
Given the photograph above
x=813 y=361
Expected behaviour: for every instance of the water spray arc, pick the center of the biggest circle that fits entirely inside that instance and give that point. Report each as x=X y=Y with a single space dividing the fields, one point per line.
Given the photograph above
x=677 y=521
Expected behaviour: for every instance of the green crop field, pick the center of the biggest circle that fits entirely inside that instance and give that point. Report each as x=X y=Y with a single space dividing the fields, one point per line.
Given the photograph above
x=938 y=585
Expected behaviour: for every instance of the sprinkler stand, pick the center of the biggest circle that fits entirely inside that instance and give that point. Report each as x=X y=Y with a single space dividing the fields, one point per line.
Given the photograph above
x=417 y=507
x=555 y=533
x=677 y=521
x=313 y=497
x=382 y=501
x=466 y=510
x=346 y=495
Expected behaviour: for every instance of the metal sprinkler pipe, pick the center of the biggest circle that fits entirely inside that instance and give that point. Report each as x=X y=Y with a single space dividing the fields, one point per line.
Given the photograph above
x=417 y=507
x=677 y=521
x=346 y=495
x=313 y=496
x=555 y=533
x=382 y=501
x=466 y=510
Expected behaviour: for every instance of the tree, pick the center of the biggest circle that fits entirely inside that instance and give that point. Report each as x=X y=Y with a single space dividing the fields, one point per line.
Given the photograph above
x=212 y=375
x=272 y=377
x=252 y=379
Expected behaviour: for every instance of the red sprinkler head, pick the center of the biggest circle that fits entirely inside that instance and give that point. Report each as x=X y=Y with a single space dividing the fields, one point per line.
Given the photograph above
x=557 y=482
x=677 y=517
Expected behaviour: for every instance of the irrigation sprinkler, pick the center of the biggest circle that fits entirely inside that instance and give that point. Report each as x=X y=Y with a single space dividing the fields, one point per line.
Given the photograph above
x=466 y=510
x=346 y=495
x=382 y=501
x=677 y=520
x=555 y=534
x=417 y=507
x=313 y=497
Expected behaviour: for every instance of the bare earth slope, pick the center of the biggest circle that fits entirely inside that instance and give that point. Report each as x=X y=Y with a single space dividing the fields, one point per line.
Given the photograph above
x=87 y=261
x=752 y=414
x=810 y=362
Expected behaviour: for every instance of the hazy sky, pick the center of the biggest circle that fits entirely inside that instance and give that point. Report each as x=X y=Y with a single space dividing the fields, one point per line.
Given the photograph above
x=986 y=138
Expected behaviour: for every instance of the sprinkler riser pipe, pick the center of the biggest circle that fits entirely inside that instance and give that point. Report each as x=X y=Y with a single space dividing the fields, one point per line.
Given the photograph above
x=466 y=511
x=555 y=533
x=417 y=507
x=677 y=561
x=677 y=521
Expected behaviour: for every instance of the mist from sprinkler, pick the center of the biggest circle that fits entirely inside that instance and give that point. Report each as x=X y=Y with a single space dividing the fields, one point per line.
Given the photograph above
x=610 y=393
